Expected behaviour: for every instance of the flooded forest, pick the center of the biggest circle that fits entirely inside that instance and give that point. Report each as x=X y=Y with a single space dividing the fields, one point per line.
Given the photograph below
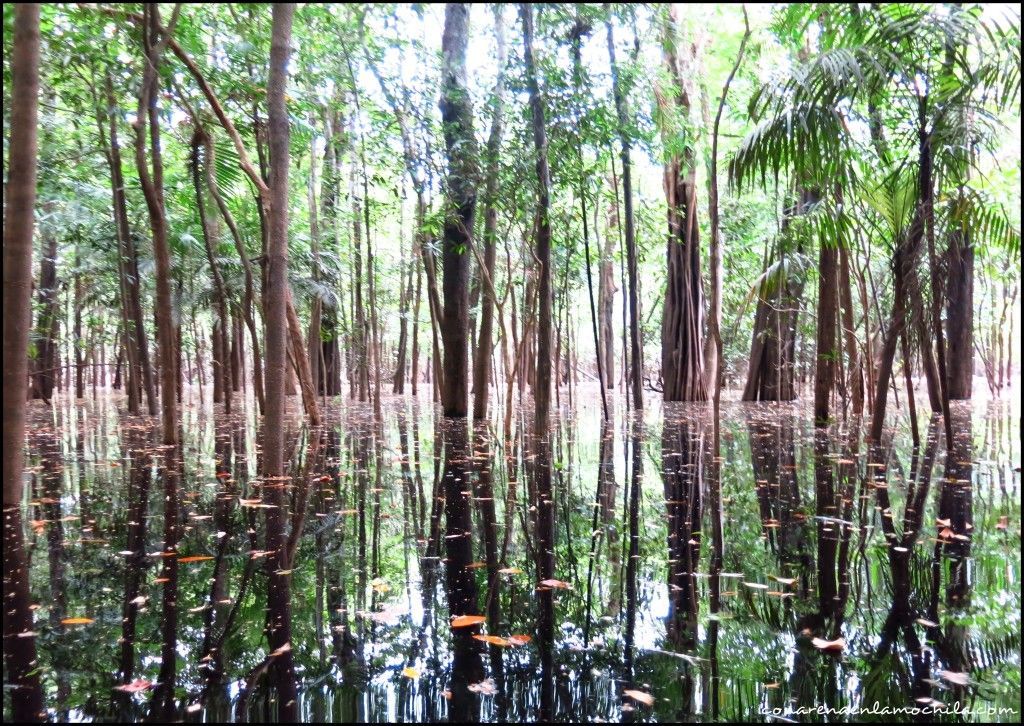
x=511 y=362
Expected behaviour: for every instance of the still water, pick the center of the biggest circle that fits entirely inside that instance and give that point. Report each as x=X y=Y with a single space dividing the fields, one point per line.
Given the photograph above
x=443 y=575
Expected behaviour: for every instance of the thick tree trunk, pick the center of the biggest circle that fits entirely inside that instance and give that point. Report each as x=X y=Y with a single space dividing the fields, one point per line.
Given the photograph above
x=457 y=121
x=682 y=350
x=485 y=343
x=277 y=313
x=20 y=666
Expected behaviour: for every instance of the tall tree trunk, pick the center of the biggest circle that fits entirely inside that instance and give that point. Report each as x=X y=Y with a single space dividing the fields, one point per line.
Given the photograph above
x=48 y=322
x=960 y=315
x=904 y=267
x=249 y=301
x=682 y=319
x=606 y=295
x=827 y=351
x=155 y=40
x=635 y=353
x=228 y=368
x=485 y=343
x=20 y=667
x=460 y=144
x=276 y=313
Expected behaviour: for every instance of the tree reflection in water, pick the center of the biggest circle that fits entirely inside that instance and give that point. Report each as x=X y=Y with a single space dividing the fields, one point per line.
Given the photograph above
x=706 y=589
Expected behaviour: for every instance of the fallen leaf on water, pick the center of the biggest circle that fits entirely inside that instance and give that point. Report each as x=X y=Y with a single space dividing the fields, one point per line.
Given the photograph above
x=519 y=639
x=476 y=565
x=756 y=585
x=410 y=673
x=958 y=679
x=556 y=584
x=486 y=687
x=464 y=621
x=139 y=684
x=927 y=623
x=645 y=698
x=194 y=558
x=510 y=571
x=834 y=646
x=282 y=650
x=76 y=621
x=493 y=640
x=1004 y=522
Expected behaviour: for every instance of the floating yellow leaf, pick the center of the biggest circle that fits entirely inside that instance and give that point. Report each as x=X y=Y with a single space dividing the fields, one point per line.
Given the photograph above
x=410 y=673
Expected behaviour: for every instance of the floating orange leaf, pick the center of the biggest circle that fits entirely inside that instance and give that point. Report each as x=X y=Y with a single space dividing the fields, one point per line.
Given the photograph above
x=76 y=621
x=194 y=558
x=464 y=621
x=519 y=639
x=139 y=684
x=493 y=640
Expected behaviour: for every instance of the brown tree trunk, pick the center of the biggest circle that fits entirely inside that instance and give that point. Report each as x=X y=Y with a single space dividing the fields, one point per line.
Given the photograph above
x=457 y=121
x=827 y=350
x=485 y=343
x=682 y=364
x=960 y=315
x=277 y=313
x=228 y=369
x=20 y=666
x=155 y=40
x=46 y=326
x=635 y=353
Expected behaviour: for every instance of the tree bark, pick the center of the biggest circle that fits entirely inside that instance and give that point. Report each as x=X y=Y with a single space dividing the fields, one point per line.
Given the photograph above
x=485 y=343
x=21 y=670
x=460 y=144
x=155 y=40
x=635 y=354
x=277 y=313
x=682 y=364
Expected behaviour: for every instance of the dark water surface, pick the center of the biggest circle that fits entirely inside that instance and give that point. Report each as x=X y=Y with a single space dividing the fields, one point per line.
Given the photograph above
x=836 y=576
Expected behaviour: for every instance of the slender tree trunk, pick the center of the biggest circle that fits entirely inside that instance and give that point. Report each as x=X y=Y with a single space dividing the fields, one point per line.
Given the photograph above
x=485 y=343
x=276 y=313
x=457 y=121
x=250 y=299
x=152 y=185
x=20 y=665
x=635 y=355
x=960 y=314
x=827 y=351
x=210 y=239
x=48 y=322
